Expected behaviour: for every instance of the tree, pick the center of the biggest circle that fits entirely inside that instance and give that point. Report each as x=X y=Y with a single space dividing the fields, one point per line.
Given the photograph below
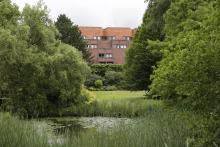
x=8 y=14
x=37 y=73
x=70 y=34
x=141 y=57
x=188 y=76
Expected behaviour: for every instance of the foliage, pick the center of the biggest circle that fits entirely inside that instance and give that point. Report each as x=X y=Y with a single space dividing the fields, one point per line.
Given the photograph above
x=98 y=83
x=88 y=96
x=70 y=34
x=158 y=128
x=113 y=78
x=37 y=73
x=90 y=80
x=110 y=74
x=19 y=133
x=140 y=58
x=101 y=69
x=188 y=75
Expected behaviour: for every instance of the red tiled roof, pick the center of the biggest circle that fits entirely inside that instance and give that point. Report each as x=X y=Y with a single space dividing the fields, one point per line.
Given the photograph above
x=110 y=31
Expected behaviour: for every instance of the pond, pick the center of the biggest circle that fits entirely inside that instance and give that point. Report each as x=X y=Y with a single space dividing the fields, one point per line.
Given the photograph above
x=57 y=128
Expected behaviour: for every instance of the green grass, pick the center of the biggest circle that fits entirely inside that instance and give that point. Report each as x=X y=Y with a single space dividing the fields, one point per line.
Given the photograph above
x=115 y=104
x=19 y=133
x=158 y=129
x=118 y=95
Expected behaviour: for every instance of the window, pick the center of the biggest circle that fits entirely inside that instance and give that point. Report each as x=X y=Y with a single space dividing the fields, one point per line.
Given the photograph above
x=106 y=62
x=97 y=37
x=119 y=46
x=102 y=55
x=108 y=56
x=104 y=38
x=92 y=46
x=111 y=38
x=126 y=38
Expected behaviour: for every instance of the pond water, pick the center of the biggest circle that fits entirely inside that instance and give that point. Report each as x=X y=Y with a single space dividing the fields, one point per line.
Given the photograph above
x=57 y=128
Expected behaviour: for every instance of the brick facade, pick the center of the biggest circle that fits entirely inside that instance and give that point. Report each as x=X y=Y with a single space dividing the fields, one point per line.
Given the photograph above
x=107 y=45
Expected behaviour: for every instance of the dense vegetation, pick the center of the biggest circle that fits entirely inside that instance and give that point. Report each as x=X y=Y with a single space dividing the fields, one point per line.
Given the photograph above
x=188 y=74
x=141 y=56
x=37 y=72
x=106 y=77
x=156 y=126
x=174 y=55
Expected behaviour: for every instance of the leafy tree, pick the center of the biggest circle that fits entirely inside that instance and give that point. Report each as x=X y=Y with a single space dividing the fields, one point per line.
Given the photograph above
x=70 y=34
x=8 y=14
x=188 y=74
x=140 y=57
x=37 y=73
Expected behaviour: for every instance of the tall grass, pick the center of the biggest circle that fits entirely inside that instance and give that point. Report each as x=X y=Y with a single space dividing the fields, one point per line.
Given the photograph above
x=155 y=126
x=18 y=133
x=115 y=104
x=158 y=129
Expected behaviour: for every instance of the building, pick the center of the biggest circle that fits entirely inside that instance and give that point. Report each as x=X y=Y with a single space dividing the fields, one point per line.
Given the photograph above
x=108 y=45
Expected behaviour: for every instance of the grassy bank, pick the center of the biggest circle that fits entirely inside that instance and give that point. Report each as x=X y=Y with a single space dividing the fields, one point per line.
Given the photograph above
x=19 y=133
x=158 y=129
x=155 y=126
x=115 y=104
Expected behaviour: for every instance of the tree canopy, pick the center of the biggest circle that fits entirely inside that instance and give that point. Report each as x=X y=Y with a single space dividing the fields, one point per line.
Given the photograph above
x=141 y=57
x=37 y=72
x=70 y=34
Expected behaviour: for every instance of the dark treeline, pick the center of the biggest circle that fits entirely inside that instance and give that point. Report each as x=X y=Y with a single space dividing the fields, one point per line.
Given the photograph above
x=176 y=56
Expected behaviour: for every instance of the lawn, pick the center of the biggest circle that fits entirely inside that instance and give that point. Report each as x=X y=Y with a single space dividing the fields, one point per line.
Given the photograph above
x=118 y=95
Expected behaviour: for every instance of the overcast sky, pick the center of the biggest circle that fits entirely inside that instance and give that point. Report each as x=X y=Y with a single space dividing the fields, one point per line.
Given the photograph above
x=103 y=13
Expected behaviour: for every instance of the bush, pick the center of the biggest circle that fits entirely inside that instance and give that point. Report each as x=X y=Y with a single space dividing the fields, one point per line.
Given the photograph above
x=101 y=69
x=90 y=81
x=98 y=84
x=113 y=78
x=87 y=96
x=111 y=88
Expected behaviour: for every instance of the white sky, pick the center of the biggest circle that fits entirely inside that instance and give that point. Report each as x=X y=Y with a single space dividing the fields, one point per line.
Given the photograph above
x=103 y=13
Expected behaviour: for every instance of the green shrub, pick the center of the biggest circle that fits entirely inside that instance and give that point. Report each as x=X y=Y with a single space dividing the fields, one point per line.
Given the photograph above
x=101 y=69
x=98 y=84
x=90 y=80
x=113 y=78
x=88 y=96
x=110 y=88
